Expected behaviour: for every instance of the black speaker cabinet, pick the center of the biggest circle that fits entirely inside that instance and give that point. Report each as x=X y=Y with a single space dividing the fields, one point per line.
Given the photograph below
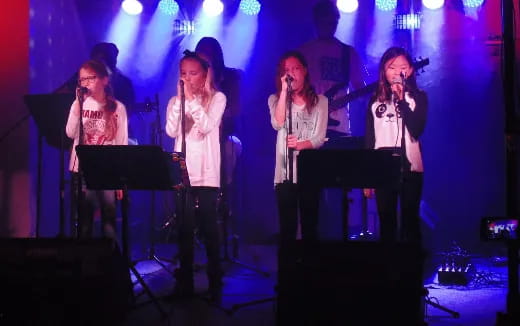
x=350 y=283
x=63 y=282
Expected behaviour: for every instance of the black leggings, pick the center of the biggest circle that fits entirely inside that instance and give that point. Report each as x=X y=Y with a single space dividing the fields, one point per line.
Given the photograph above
x=201 y=207
x=410 y=200
x=290 y=197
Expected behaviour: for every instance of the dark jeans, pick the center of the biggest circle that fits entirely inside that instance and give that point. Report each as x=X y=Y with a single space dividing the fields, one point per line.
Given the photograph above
x=90 y=201
x=410 y=200
x=292 y=199
x=200 y=208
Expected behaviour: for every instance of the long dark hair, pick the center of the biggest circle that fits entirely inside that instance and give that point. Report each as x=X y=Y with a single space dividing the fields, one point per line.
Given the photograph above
x=110 y=106
x=216 y=59
x=384 y=92
x=307 y=92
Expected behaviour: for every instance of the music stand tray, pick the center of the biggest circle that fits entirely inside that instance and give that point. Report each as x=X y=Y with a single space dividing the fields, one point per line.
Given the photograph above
x=125 y=167
x=348 y=169
x=142 y=167
x=50 y=112
x=357 y=168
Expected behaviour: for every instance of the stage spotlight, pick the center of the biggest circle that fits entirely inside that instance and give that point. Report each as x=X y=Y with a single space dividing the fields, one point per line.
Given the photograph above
x=250 y=7
x=169 y=7
x=132 y=7
x=433 y=4
x=347 y=6
x=386 y=5
x=407 y=21
x=184 y=26
x=472 y=3
x=213 y=7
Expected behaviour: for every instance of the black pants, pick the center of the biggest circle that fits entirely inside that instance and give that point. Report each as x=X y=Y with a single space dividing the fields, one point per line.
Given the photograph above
x=292 y=199
x=410 y=200
x=201 y=209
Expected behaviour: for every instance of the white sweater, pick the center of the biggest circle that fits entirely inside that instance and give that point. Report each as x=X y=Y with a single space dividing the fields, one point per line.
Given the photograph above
x=202 y=137
x=94 y=124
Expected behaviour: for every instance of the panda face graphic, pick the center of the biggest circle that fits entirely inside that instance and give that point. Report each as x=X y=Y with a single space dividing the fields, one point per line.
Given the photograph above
x=381 y=112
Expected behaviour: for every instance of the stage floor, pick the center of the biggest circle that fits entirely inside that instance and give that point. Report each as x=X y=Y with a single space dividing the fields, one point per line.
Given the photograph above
x=477 y=304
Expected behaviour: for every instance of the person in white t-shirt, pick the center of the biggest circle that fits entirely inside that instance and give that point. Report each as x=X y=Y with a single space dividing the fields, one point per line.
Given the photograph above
x=334 y=66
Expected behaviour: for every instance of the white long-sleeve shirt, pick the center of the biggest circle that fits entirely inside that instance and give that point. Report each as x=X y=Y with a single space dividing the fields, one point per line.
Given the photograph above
x=202 y=137
x=94 y=125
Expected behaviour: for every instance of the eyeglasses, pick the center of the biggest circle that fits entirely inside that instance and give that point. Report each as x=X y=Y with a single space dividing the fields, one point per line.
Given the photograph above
x=87 y=79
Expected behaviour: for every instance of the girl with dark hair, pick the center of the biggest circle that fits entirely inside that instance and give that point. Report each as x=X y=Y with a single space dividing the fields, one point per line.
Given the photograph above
x=397 y=100
x=309 y=124
x=104 y=123
x=204 y=106
x=228 y=81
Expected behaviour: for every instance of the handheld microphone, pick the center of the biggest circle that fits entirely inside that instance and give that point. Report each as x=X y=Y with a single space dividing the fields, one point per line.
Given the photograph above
x=403 y=77
x=289 y=79
x=181 y=84
x=81 y=92
x=396 y=80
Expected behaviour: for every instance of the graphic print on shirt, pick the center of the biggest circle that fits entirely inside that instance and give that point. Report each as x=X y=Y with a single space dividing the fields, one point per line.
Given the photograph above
x=388 y=114
x=94 y=127
x=303 y=124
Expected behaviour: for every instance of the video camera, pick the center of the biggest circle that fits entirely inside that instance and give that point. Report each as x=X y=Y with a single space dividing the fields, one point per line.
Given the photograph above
x=499 y=228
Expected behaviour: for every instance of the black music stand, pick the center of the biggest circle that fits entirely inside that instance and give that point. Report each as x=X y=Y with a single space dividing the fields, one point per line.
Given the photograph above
x=353 y=168
x=358 y=168
x=131 y=167
x=50 y=112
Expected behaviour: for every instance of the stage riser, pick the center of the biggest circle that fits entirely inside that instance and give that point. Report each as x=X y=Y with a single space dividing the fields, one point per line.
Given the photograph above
x=354 y=283
x=63 y=282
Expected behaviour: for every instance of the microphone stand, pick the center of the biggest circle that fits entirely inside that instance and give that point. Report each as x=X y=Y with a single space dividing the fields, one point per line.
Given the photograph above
x=81 y=99
x=289 y=151
x=403 y=140
x=183 y=190
x=402 y=151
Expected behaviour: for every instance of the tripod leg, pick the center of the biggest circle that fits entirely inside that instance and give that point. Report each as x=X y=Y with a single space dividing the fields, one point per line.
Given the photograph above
x=148 y=291
x=453 y=313
x=226 y=214
x=126 y=254
x=159 y=261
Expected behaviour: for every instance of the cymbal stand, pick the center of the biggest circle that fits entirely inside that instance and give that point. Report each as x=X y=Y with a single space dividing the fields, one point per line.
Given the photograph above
x=156 y=134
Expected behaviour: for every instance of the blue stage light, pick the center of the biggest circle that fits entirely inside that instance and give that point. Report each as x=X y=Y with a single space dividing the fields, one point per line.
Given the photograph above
x=386 y=5
x=407 y=21
x=184 y=26
x=213 y=7
x=250 y=7
x=472 y=3
x=132 y=7
x=433 y=4
x=347 y=6
x=169 y=7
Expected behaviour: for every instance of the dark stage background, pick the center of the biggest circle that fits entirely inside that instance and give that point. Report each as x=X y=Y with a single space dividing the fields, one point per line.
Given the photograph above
x=463 y=145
